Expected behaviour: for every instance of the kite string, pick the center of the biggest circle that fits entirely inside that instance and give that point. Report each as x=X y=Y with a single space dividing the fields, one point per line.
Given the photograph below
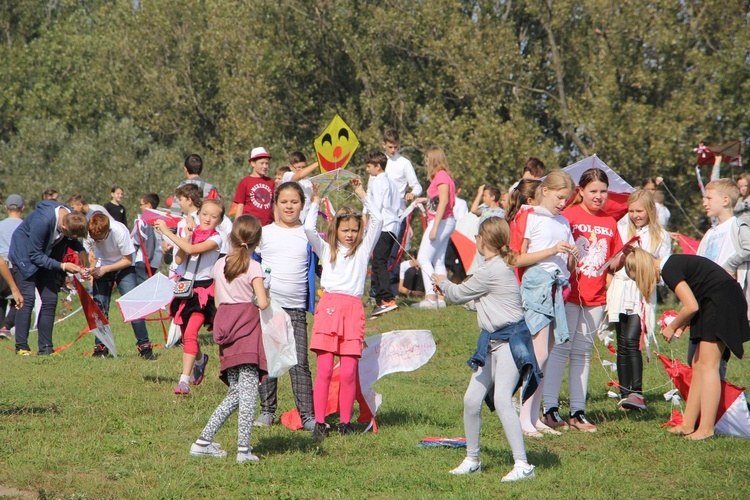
x=679 y=205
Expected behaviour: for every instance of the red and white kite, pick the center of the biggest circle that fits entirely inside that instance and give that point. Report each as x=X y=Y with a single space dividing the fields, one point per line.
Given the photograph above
x=731 y=152
x=733 y=417
x=98 y=324
x=619 y=190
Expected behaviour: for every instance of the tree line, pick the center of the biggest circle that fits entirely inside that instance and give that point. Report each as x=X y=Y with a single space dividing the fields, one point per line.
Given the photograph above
x=102 y=92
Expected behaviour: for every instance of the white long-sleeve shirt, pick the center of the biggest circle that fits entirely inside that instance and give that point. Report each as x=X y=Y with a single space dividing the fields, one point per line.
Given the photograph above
x=401 y=172
x=384 y=197
x=347 y=275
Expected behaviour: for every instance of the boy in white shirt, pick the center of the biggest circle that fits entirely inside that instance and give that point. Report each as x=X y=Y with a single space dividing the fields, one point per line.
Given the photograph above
x=728 y=242
x=401 y=172
x=385 y=200
x=111 y=253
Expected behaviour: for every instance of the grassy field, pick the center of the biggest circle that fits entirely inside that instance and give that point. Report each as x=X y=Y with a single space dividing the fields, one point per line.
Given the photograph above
x=77 y=427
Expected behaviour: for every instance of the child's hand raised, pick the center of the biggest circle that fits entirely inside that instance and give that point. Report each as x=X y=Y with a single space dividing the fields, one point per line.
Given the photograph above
x=358 y=189
x=315 y=193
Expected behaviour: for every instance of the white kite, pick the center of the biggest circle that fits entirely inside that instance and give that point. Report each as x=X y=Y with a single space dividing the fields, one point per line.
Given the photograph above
x=391 y=352
x=147 y=298
x=329 y=182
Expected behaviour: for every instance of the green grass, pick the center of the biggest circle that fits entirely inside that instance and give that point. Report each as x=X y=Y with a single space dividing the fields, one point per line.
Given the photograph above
x=73 y=426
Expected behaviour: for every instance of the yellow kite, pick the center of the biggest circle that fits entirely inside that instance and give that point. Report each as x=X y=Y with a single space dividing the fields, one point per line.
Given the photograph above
x=336 y=145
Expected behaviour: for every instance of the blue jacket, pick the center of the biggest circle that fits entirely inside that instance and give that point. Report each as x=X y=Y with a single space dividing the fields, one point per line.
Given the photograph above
x=538 y=304
x=519 y=337
x=32 y=243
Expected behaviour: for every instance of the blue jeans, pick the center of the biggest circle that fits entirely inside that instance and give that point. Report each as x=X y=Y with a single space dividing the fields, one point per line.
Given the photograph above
x=45 y=282
x=125 y=279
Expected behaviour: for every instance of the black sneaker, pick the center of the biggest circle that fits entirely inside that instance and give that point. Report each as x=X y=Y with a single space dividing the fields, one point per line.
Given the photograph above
x=146 y=352
x=321 y=431
x=345 y=429
x=100 y=351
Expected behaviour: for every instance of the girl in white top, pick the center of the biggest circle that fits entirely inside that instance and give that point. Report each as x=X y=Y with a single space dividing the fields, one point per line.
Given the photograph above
x=627 y=307
x=339 y=326
x=283 y=249
x=548 y=243
x=199 y=251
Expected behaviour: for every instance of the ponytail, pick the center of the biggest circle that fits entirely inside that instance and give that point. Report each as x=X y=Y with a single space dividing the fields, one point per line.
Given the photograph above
x=245 y=236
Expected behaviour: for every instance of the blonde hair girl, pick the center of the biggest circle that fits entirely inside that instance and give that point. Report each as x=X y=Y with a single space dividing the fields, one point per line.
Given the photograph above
x=548 y=253
x=628 y=307
x=714 y=307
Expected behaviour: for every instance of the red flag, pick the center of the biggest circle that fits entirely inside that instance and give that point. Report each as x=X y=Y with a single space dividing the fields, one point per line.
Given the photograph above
x=689 y=246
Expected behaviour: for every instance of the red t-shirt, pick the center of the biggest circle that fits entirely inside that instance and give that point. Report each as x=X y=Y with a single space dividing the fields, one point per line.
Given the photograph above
x=597 y=239
x=256 y=194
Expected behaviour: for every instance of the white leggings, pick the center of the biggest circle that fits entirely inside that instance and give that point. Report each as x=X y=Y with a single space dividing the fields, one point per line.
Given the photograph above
x=431 y=256
x=583 y=322
x=499 y=369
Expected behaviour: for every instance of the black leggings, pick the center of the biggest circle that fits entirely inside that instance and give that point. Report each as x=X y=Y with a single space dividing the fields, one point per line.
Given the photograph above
x=629 y=360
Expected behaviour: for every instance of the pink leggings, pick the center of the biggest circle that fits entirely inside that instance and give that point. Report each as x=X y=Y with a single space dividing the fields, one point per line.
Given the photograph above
x=347 y=389
x=190 y=333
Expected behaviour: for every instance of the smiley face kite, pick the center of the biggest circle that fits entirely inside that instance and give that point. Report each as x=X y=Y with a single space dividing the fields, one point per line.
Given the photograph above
x=336 y=145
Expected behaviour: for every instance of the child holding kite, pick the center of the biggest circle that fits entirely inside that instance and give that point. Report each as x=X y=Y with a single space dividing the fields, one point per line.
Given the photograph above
x=714 y=307
x=199 y=250
x=240 y=293
x=339 y=325
x=547 y=252
x=597 y=239
x=504 y=355
x=284 y=250
x=627 y=307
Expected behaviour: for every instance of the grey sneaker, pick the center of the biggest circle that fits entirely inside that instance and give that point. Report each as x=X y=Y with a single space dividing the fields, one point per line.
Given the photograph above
x=246 y=456
x=209 y=450
x=265 y=420
x=308 y=424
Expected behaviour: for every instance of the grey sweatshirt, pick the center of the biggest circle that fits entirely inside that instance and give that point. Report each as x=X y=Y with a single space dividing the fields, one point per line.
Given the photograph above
x=496 y=290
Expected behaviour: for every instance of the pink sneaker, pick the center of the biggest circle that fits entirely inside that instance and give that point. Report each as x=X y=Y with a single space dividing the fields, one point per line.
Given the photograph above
x=182 y=388
x=578 y=421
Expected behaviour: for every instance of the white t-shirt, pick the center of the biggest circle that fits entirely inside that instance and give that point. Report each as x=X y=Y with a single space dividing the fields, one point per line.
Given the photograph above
x=384 y=198
x=207 y=261
x=114 y=247
x=717 y=243
x=544 y=230
x=284 y=252
x=225 y=229
x=173 y=267
x=663 y=214
x=347 y=275
x=460 y=208
x=401 y=172
x=306 y=186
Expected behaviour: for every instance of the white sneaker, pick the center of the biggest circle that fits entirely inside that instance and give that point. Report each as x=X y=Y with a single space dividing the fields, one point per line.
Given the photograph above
x=519 y=473
x=209 y=450
x=246 y=456
x=468 y=466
